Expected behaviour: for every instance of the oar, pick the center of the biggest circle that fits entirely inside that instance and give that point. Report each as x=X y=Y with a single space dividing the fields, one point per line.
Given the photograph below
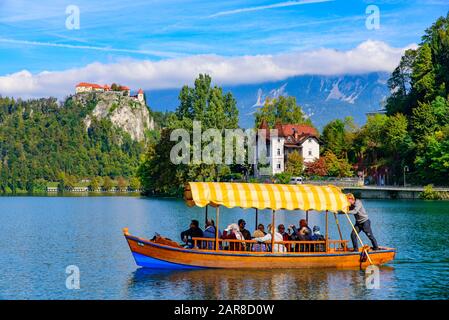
x=360 y=239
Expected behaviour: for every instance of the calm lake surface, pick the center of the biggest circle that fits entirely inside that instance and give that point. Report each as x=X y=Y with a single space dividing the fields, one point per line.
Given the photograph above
x=41 y=236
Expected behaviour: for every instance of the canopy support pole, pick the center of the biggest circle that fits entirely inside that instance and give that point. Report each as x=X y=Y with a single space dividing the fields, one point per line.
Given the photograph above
x=307 y=216
x=360 y=239
x=273 y=231
x=257 y=218
x=339 y=230
x=206 y=215
x=327 y=232
x=217 y=226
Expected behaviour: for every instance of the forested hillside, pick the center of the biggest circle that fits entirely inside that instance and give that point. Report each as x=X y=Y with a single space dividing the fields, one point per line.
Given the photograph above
x=41 y=140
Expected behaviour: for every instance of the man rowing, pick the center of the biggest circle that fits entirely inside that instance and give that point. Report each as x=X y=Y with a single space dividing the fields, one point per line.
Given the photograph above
x=362 y=222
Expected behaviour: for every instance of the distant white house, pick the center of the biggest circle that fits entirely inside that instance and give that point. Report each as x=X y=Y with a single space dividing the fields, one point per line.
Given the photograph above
x=290 y=138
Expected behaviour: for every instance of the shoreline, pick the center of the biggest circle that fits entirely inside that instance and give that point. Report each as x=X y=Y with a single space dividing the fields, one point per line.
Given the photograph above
x=140 y=195
x=72 y=194
x=361 y=192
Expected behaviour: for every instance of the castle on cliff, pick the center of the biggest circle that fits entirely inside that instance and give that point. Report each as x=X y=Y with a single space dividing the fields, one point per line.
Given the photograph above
x=84 y=87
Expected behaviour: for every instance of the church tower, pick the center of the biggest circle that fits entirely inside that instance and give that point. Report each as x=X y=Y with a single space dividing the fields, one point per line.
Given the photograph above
x=140 y=96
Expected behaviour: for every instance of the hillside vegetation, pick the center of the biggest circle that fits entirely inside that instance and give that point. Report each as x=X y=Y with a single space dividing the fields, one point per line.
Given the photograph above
x=41 y=140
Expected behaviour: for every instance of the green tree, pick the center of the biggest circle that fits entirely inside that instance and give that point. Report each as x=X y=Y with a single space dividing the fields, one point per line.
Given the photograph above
x=281 y=110
x=400 y=84
x=94 y=184
x=424 y=121
x=432 y=163
x=107 y=183
x=397 y=138
x=295 y=164
x=337 y=167
x=423 y=77
x=334 y=136
x=134 y=183
x=214 y=109
x=157 y=173
x=437 y=37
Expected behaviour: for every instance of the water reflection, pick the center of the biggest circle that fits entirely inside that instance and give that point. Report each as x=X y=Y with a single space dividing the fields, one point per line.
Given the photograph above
x=250 y=284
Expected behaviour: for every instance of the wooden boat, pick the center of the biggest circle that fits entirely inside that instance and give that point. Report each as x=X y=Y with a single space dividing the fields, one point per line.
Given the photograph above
x=216 y=253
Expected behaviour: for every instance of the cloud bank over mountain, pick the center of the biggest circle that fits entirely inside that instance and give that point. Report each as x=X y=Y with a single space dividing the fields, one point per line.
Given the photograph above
x=369 y=56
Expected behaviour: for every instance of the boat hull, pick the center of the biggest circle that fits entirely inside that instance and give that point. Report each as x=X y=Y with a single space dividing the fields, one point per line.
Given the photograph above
x=158 y=256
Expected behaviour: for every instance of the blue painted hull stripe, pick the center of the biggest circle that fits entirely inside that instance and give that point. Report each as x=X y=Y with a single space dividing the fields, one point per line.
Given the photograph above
x=154 y=263
x=299 y=255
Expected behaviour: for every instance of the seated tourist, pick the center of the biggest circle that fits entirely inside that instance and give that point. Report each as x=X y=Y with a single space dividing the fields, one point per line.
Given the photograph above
x=246 y=234
x=232 y=232
x=259 y=247
x=261 y=227
x=209 y=232
x=277 y=238
x=303 y=234
x=285 y=235
x=193 y=232
x=316 y=235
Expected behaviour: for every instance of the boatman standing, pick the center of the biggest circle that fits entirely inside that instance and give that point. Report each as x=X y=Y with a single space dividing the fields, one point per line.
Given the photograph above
x=362 y=222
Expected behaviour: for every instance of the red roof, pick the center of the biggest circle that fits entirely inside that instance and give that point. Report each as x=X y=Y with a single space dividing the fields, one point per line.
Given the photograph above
x=97 y=86
x=288 y=130
x=140 y=91
x=285 y=130
x=86 y=84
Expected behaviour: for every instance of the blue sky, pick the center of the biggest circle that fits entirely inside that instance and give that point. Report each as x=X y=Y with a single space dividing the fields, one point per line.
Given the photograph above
x=33 y=36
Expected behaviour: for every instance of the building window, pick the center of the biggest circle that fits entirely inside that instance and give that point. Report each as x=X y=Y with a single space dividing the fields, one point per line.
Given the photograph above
x=310 y=152
x=310 y=140
x=279 y=140
x=279 y=166
x=279 y=152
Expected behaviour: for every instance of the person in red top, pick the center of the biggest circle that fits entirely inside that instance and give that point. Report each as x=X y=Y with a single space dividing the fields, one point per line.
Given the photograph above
x=232 y=232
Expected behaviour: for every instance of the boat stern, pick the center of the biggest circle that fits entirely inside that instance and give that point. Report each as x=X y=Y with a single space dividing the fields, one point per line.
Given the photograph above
x=142 y=254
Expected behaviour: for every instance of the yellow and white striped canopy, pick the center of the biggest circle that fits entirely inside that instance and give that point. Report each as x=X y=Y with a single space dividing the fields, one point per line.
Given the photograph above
x=266 y=196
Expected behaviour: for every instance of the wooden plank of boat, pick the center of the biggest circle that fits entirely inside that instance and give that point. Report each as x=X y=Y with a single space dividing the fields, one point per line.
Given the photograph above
x=155 y=255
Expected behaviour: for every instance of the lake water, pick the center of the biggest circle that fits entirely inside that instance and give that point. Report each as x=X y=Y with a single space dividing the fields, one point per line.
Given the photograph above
x=41 y=236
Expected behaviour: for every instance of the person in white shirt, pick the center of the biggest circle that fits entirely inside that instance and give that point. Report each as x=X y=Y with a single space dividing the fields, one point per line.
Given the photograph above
x=277 y=238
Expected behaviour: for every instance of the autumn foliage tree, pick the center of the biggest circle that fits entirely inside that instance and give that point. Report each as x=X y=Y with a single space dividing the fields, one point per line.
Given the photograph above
x=316 y=168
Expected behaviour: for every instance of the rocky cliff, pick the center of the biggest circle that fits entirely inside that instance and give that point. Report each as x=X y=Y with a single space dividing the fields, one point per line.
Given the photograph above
x=124 y=112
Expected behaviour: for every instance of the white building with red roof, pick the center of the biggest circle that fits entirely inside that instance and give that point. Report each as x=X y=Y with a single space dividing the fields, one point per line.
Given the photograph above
x=290 y=138
x=83 y=87
x=89 y=87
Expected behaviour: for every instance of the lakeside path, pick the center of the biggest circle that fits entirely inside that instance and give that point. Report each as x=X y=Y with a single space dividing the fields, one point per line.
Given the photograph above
x=390 y=192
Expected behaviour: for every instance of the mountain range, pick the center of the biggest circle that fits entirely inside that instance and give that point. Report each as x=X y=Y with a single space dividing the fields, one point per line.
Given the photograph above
x=322 y=98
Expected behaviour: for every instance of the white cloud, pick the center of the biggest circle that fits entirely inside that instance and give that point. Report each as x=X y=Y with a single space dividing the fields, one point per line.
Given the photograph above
x=369 y=56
